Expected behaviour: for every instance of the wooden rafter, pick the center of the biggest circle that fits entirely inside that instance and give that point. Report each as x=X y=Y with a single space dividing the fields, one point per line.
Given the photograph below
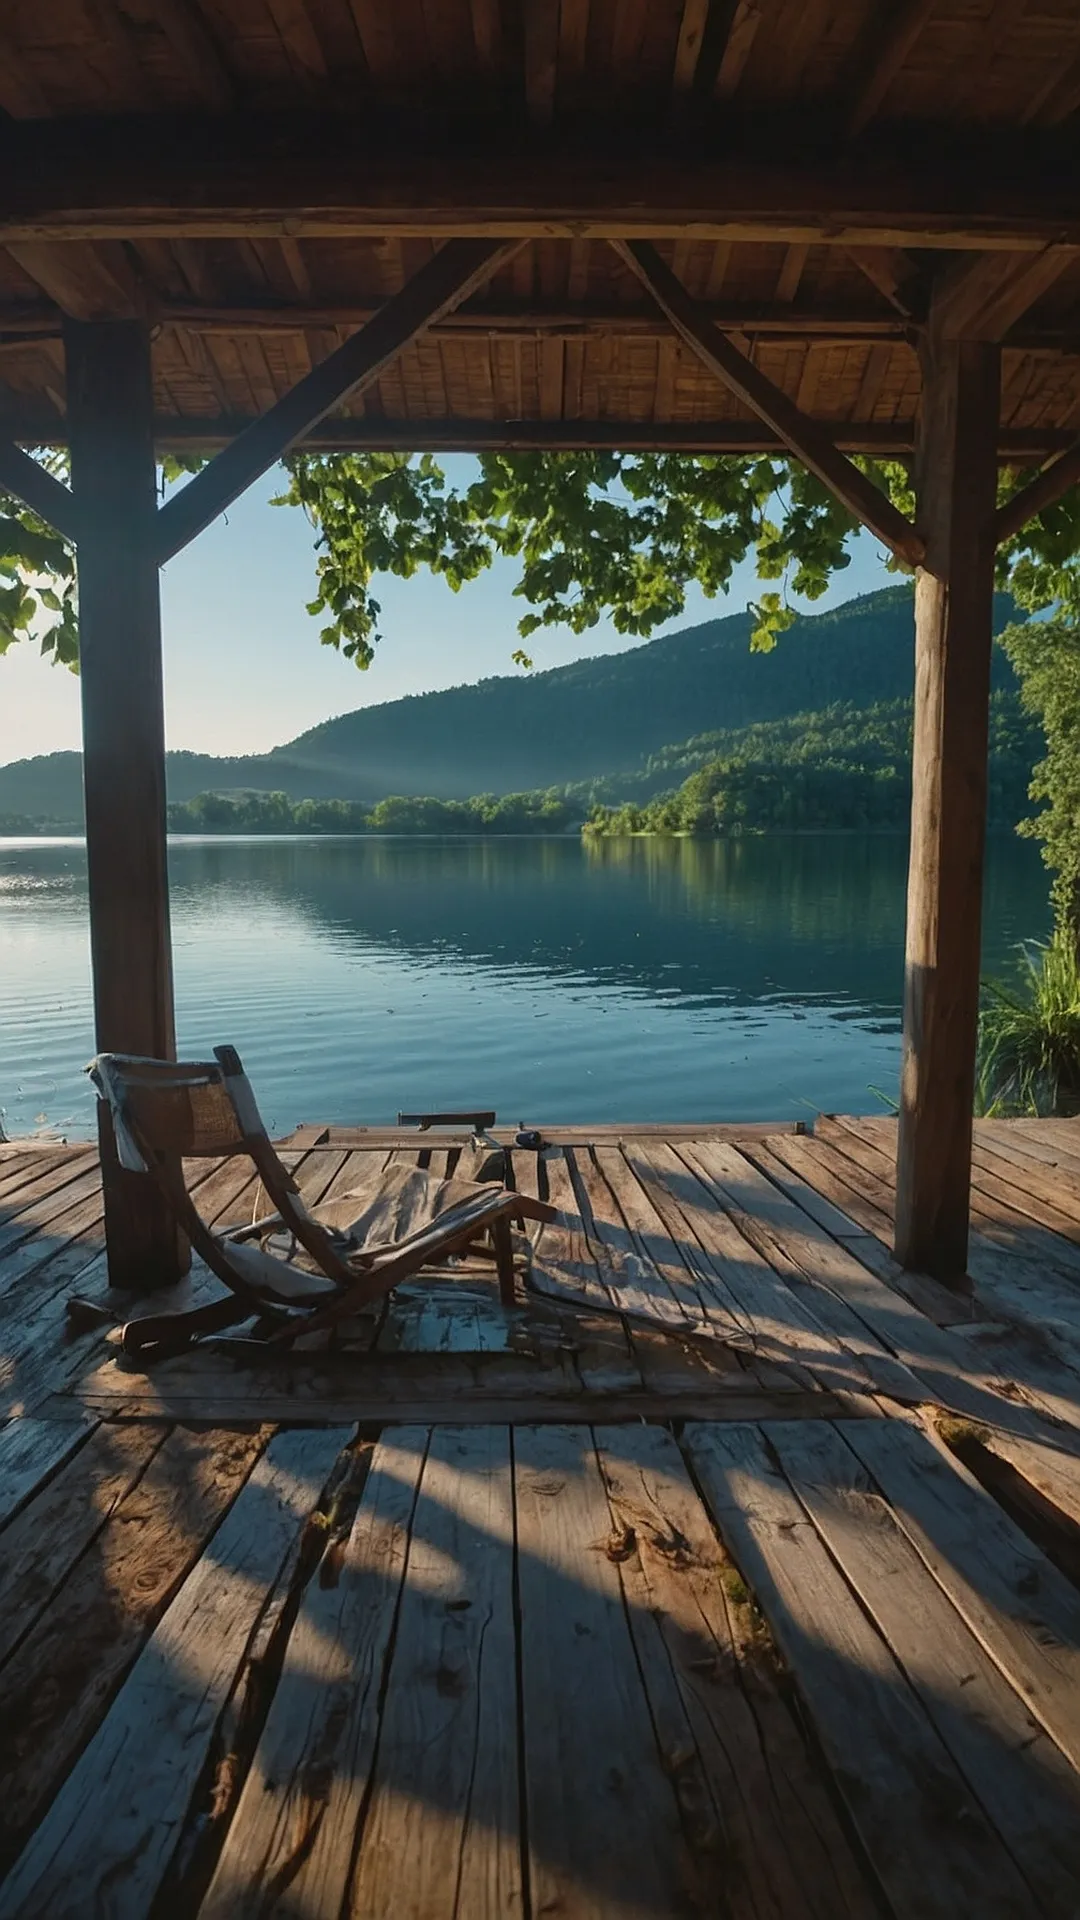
x=185 y=28
x=239 y=176
x=86 y=282
x=20 y=93
x=805 y=437
x=37 y=489
x=703 y=40
x=450 y=276
x=1045 y=490
x=541 y=45
x=896 y=29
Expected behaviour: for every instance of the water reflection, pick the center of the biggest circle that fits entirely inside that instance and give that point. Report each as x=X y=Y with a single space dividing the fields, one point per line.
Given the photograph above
x=663 y=979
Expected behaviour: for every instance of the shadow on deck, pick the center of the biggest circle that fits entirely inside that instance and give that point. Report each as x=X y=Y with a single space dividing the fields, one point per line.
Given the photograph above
x=732 y=1573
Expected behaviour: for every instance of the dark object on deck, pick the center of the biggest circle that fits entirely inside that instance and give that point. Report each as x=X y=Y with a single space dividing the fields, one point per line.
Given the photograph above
x=163 y=1110
x=425 y=1120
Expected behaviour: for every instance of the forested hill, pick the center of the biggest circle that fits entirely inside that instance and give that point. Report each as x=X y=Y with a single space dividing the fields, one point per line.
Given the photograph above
x=581 y=722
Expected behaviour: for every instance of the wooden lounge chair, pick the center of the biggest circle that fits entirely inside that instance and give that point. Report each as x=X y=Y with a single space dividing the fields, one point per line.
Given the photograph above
x=302 y=1271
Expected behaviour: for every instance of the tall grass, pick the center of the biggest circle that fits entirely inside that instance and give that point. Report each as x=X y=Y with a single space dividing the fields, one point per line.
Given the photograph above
x=1029 y=1034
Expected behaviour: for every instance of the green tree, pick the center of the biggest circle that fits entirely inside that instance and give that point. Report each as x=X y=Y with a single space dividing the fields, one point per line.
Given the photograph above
x=592 y=534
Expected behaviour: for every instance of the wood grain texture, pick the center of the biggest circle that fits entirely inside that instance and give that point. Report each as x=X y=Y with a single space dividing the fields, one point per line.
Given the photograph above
x=604 y=1833
x=441 y=1836
x=929 y=1841
x=69 y=1665
x=760 y=1830
x=109 y=1834
x=1021 y=1609
x=1021 y=1778
x=30 y=1452
x=955 y=488
x=295 y=1825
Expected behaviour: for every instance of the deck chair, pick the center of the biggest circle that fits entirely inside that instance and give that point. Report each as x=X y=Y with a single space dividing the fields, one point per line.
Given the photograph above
x=301 y=1272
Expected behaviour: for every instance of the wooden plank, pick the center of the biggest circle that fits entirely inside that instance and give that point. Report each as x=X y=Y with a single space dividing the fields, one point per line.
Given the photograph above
x=31 y=1451
x=674 y=1258
x=113 y=478
x=69 y=1666
x=1019 y=1607
x=296 y=1820
x=564 y=1264
x=779 y=1325
x=763 y=1835
x=790 y=1240
x=447 y=278
x=633 y=1281
x=1053 y=1474
x=602 y=1816
x=45 y=1542
x=109 y=1835
x=19 y=1166
x=1021 y=1779
x=231 y=1398
x=1022 y=1272
x=1022 y=1146
x=951 y=1367
x=674 y=1253
x=928 y=1840
x=807 y=1179
x=441 y=1832
x=957 y=480
x=803 y=435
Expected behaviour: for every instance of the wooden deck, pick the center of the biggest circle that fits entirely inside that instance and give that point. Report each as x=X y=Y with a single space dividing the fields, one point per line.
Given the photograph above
x=734 y=1573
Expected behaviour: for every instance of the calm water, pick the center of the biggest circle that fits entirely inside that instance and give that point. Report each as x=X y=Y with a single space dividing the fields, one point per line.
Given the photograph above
x=751 y=979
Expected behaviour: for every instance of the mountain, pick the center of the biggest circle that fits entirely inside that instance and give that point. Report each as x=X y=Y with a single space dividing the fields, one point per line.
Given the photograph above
x=588 y=720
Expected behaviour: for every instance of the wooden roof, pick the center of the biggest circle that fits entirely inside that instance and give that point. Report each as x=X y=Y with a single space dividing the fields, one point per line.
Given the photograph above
x=257 y=176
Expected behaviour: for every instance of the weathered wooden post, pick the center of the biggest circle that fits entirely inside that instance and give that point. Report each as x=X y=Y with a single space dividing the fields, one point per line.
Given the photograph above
x=956 y=474
x=110 y=415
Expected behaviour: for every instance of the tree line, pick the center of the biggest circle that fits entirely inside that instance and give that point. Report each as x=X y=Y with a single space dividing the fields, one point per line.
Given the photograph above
x=845 y=767
x=253 y=812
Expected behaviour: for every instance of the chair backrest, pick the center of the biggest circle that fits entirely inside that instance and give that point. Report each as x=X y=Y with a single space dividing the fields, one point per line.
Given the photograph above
x=163 y=1110
x=177 y=1107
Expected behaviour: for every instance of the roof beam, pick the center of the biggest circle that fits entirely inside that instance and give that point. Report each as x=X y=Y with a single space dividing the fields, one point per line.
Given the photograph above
x=38 y=489
x=449 y=277
x=1044 y=491
x=236 y=175
x=20 y=319
x=807 y=439
x=1017 y=446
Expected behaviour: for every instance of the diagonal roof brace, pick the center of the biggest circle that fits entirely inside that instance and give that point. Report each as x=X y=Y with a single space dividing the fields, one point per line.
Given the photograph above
x=807 y=439
x=449 y=277
x=38 y=490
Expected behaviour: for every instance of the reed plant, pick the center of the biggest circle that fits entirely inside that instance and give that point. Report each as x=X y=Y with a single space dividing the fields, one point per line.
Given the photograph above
x=1029 y=1033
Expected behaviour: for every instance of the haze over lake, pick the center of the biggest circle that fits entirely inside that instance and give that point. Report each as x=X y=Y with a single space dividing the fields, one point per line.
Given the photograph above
x=756 y=978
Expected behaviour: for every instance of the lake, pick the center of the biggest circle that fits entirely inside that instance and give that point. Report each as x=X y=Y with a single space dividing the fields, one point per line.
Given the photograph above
x=554 y=980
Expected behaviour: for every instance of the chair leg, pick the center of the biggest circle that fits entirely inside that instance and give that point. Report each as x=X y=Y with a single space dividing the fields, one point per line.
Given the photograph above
x=504 y=1260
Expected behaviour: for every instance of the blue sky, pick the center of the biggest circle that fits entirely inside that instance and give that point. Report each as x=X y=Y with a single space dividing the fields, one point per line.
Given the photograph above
x=244 y=670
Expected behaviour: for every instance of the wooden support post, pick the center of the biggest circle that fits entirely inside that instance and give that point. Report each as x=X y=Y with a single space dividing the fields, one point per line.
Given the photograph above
x=110 y=415
x=956 y=476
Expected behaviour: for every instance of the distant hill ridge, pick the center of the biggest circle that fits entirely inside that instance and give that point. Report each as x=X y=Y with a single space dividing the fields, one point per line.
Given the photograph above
x=596 y=717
